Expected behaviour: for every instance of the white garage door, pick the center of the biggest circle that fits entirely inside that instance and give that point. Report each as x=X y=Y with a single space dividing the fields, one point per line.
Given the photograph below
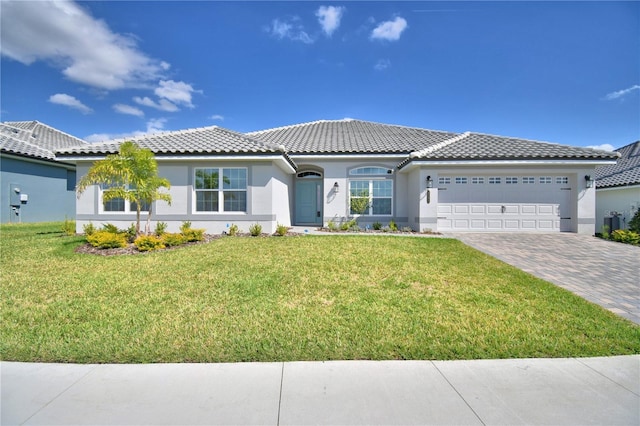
x=504 y=203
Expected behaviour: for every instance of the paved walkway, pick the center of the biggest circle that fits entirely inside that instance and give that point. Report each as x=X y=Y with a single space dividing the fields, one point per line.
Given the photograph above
x=574 y=391
x=603 y=272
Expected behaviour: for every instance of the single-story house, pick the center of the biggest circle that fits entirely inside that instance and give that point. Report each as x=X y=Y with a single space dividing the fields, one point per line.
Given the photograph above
x=618 y=189
x=34 y=185
x=309 y=174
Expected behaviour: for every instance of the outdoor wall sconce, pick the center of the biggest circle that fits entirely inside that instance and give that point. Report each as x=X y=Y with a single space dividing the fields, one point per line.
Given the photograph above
x=589 y=180
x=429 y=182
x=336 y=187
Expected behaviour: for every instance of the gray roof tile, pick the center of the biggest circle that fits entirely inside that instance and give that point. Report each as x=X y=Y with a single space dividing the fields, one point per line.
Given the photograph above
x=625 y=172
x=34 y=139
x=351 y=137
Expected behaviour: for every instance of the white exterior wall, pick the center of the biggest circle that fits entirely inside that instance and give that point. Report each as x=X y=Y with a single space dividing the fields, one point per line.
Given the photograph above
x=336 y=206
x=624 y=200
x=267 y=200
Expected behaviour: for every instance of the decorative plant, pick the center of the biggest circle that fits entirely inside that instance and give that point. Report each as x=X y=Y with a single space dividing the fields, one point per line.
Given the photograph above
x=255 y=229
x=69 y=227
x=377 y=226
x=88 y=228
x=392 y=226
x=149 y=243
x=634 y=223
x=281 y=230
x=161 y=228
x=233 y=230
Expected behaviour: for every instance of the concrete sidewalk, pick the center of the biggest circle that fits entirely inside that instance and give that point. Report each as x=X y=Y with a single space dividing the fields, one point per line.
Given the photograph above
x=574 y=391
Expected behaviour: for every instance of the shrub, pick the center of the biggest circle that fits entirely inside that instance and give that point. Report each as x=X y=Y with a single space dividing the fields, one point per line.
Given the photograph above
x=354 y=227
x=332 y=225
x=148 y=243
x=106 y=240
x=627 y=237
x=193 y=235
x=255 y=229
x=172 y=240
x=69 y=227
x=392 y=226
x=89 y=228
x=234 y=230
x=161 y=228
x=186 y=226
x=344 y=226
x=377 y=226
x=634 y=223
x=407 y=229
x=130 y=233
x=110 y=227
x=281 y=230
x=605 y=232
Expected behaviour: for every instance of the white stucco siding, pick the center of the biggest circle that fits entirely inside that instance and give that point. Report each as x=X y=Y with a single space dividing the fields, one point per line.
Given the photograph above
x=623 y=200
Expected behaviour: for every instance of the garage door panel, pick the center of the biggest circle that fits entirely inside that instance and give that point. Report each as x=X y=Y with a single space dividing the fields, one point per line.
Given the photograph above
x=546 y=209
x=478 y=224
x=493 y=209
x=512 y=224
x=445 y=209
x=529 y=209
x=461 y=224
x=460 y=209
x=494 y=224
x=477 y=209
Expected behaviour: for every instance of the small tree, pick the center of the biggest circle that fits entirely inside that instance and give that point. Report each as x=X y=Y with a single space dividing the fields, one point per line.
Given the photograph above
x=132 y=175
x=634 y=223
x=359 y=203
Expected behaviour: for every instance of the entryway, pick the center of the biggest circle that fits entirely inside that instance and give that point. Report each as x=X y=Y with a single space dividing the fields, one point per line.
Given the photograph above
x=308 y=199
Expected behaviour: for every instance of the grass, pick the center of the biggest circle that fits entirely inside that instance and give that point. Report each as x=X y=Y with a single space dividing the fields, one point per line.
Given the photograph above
x=282 y=299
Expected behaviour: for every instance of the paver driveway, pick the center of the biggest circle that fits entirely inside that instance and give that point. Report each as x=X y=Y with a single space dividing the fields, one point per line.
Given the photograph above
x=603 y=272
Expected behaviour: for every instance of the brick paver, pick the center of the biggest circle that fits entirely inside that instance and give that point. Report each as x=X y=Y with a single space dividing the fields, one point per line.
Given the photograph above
x=603 y=272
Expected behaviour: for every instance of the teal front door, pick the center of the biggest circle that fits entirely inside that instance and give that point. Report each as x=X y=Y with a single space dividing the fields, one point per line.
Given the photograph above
x=308 y=202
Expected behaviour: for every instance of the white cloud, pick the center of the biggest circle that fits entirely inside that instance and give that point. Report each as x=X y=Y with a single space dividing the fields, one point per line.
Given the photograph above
x=128 y=109
x=389 y=30
x=177 y=92
x=382 y=64
x=329 y=18
x=604 y=147
x=291 y=30
x=621 y=93
x=217 y=117
x=162 y=104
x=155 y=125
x=67 y=36
x=70 y=101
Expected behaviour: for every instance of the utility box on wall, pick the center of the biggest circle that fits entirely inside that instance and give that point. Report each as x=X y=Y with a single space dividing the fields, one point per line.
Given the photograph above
x=14 y=195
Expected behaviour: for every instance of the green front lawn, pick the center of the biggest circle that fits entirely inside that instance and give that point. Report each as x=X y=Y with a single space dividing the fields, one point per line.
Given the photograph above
x=282 y=299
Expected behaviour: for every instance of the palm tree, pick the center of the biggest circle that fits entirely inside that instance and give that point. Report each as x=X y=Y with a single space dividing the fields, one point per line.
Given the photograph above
x=132 y=175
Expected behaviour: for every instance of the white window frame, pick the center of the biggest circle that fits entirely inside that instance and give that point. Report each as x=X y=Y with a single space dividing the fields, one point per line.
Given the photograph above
x=477 y=180
x=511 y=180
x=528 y=180
x=444 y=180
x=545 y=180
x=495 y=180
x=127 y=204
x=369 y=211
x=461 y=180
x=220 y=190
x=562 y=180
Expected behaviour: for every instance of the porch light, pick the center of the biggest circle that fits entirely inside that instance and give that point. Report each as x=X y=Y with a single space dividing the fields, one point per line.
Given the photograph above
x=336 y=187
x=429 y=182
x=589 y=180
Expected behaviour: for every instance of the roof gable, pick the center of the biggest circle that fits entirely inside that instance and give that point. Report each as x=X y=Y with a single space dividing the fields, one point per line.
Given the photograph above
x=625 y=172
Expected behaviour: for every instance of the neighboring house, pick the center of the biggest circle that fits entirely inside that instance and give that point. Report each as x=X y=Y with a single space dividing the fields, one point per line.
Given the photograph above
x=307 y=174
x=618 y=189
x=34 y=185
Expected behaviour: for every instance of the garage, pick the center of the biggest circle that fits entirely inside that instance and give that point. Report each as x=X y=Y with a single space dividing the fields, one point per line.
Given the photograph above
x=496 y=203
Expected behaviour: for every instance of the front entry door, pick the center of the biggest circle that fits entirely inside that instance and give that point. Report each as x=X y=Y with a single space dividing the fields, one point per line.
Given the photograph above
x=309 y=202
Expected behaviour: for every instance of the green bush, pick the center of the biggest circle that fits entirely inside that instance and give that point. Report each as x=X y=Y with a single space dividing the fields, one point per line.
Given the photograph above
x=392 y=226
x=193 y=235
x=106 y=239
x=255 y=229
x=281 y=230
x=110 y=227
x=377 y=226
x=332 y=225
x=149 y=243
x=172 y=240
x=233 y=230
x=634 y=223
x=69 y=227
x=627 y=237
x=89 y=228
x=161 y=228
x=130 y=233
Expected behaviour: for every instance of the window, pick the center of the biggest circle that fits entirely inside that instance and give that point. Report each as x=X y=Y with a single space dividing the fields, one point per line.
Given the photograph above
x=477 y=180
x=309 y=174
x=528 y=180
x=461 y=180
x=121 y=205
x=493 y=180
x=444 y=180
x=370 y=171
x=510 y=180
x=545 y=179
x=371 y=197
x=562 y=180
x=215 y=189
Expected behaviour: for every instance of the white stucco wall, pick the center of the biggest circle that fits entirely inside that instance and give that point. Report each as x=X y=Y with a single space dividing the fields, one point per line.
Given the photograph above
x=267 y=199
x=624 y=200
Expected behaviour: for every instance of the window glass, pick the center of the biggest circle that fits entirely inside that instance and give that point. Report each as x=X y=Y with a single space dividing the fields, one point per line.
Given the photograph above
x=370 y=171
x=444 y=180
x=528 y=180
x=461 y=180
x=545 y=179
x=221 y=192
x=510 y=180
x=207 y=178
x=207 y=201
x=477 y=180
x=562 y=180
x=494 y=180
x=375 y=194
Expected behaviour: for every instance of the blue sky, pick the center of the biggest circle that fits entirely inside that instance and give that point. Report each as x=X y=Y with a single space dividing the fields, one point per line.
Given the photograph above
x=565 y=72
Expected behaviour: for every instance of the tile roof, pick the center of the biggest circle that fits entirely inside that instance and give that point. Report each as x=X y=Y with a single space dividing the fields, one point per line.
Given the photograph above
x=34 y=139
x=200 y=141
x=478 y=146
x=625 y=172
x=351 y=137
